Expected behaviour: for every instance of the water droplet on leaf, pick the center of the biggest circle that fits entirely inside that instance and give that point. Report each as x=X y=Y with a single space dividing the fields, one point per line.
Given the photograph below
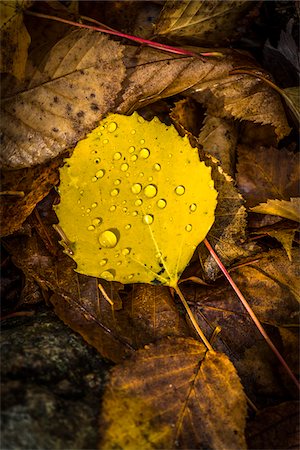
x=112 y=127
x=103 y=262
x=144 y=153
x=91 y=228
x=161 y=203
x=124 y=167
x=117 y=156
x=94 y=205
x=117 y=182
x=188 y=227
x=136 y=188
x=128 y=226
x=138 y=202
x=114 y=192
x=96 y=221
x=133 y=157
x=193 y=207
x=148 y=219
x=150 y=191
x=112 y=208
x=107 y=275
x=126 y=251
x=131 y=149
x=105 y=141
x=157 y=167
x=100 y=173
x=180 y=190
x=108 y=239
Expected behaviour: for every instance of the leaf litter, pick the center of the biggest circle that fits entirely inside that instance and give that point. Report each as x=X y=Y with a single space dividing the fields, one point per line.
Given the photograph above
x=140 y=90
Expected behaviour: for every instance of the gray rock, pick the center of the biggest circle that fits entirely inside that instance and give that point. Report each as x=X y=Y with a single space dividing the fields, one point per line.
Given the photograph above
x=52 y=383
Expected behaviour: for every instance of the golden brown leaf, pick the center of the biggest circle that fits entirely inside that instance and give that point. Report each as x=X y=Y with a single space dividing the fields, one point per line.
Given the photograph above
x=34 y=183
x=173 y=395
x=158 y=75
x=152 y=310
x=267 y=173
x=203 y=22
x=85 y=75
x=15 y=39
x=283 y=208
x=285 y=237
x=79 y=81
x=219 y=138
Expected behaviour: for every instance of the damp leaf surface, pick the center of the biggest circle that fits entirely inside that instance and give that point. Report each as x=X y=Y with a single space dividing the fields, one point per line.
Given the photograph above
x=135 y=201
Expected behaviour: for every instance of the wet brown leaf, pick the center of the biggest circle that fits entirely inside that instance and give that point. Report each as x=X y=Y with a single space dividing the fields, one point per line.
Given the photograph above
x=15 y=39
x=227 y=234
x=79 y=81
x=173 y=395
x=219 y=138
x=276 y=427
x=34 y=183
x=85 y=75
x=157 y=75
x=202 y=22
x=285 y=237
x=152 y=310
x=267 y=173
x=287 y=209
x=271 y=286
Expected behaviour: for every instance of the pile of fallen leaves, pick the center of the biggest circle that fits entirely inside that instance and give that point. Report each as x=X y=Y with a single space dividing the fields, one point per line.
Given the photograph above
x=58 y=82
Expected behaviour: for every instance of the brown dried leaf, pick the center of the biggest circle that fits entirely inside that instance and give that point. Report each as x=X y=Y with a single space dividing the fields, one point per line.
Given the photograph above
x=227 y=234
x=15 y=39
x=276 y=427
x=34 y=183
x=202 y=22
x=173 y=395
x=153 y=75
x=219 y=138
x=152 y=310
x=79 y=82
x=285 y=237
x=287 y=209
x=271 y=286
x=77 y=299
x=85 y=75
x=267 y=173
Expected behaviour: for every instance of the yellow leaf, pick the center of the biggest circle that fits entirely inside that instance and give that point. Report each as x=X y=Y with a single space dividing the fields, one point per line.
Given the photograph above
x=287 y=209
x=135 y=201
x=15 y=39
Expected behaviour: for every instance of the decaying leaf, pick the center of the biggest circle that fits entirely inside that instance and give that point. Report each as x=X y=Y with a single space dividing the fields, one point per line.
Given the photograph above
x=152 y=310
x=218 y=137
x=243 y=97
x=276 y=427
x=227 y=234
x=283 y=208
x=75 y=85
x=129 y=191
x=285 y=237
x=173 y=395
x=271 y=286
x=203 y=22
x=34 y=183
x=15 y=38
x=292 y=98
x=267 y=173
x=86 y=75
